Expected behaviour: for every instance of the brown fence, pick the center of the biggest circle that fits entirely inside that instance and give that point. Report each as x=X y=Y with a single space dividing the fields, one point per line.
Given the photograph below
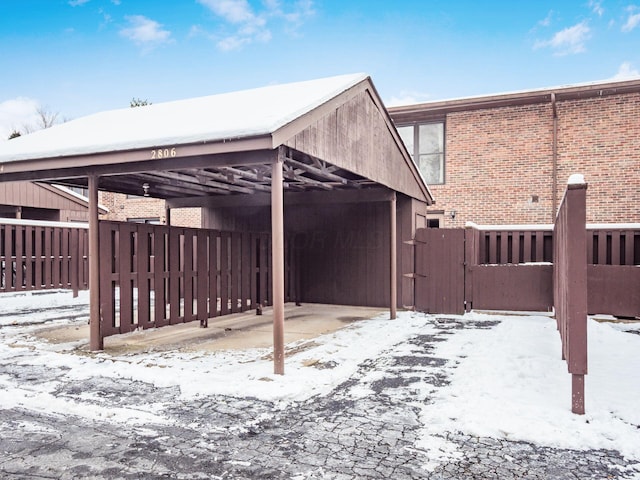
x=570 y=287
x=510 y=268
x=43 y=255
x=153 y=275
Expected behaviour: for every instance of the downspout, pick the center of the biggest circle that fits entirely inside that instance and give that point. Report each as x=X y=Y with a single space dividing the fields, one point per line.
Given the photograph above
x=554 y=155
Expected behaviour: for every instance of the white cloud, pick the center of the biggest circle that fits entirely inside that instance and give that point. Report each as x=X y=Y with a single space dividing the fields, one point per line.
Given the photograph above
x=145 y=32
x=626 y=72
x=632 y=21
x=596 y=7
x=546 y=21
x=568 y=41
x=16 y=113
x=234 y=11
x=78 y=3
x=250 y=25
x=406 y=97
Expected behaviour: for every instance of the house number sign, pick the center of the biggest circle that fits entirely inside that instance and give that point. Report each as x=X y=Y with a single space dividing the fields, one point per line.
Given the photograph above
x=158 y=153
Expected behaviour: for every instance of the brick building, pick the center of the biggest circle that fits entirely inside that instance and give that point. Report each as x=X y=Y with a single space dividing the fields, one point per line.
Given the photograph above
x=505 y=159
x=132 y=208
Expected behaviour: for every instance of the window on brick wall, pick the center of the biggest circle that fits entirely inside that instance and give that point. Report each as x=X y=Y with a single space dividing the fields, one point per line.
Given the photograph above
x=425 y=142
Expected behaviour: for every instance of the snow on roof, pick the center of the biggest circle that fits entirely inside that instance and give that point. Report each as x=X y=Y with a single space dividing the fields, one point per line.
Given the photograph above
x=541 y=90
x=227 y=116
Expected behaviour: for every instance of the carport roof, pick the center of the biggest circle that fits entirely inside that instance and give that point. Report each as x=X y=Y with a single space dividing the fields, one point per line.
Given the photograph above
x=223 y=117
x=221 y=144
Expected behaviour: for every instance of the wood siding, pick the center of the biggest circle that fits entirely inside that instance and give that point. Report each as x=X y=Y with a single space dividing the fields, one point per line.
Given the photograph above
x=41 y=203
x=356 y=137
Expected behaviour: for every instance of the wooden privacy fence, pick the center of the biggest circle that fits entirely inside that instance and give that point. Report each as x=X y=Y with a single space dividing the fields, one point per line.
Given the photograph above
x=570 y=287
x=511 y=268
x=154 y=275
x=37 y=255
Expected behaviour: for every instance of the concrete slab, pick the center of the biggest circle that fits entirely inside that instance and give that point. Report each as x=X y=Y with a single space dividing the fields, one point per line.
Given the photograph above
x=231 y=332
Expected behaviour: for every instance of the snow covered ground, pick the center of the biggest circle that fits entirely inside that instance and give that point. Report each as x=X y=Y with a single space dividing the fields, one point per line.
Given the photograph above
x=507 y=381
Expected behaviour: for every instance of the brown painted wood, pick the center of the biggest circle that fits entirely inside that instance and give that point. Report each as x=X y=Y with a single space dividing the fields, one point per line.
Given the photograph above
x=202 y=277
x=355 y=135
x=56 y=258
x=160 y=276
x=144 y=272
x=124 y=259
x=235 y=268
x=614 y=290
x=591 y=236
x=106 y=282
x=29 y=258
x=493 y=247
x=513 y=287
x=515 y=248
x=571 y=280
x=224 y=273
x=393 y=255
x=65 y=257
x=277 y=257
x=47 y=273
x=255 y=271
x=440 y=286
x=245 y=273
x=263 y=268
x=189 y=275
x=602 y=247
x=214 y=273
x=39 y=243
x=527 y=247
x=175 y=283
x=615 y=247
x=19 y=262
x=628 y=247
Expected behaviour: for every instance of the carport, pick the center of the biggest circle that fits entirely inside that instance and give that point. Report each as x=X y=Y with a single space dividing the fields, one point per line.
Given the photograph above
x=326 y=149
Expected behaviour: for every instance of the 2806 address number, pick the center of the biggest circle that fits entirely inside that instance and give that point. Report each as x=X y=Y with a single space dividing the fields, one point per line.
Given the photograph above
x=159 y=153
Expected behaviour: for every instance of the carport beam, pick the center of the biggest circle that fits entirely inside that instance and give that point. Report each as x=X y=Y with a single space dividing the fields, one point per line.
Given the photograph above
x=393 y=258
x=277 y=233
x=96 y=341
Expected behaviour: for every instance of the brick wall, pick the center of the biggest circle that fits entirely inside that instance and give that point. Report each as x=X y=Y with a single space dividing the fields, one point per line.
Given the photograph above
x=499 y=161
x=498 y=166
x=123 y=209
x=600 y=138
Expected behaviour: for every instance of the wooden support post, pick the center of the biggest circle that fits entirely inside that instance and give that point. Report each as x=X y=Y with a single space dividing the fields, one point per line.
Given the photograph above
x=167 y=216
x=95 y=335
x=277 y=233
x=577 y=394
x=393 y=258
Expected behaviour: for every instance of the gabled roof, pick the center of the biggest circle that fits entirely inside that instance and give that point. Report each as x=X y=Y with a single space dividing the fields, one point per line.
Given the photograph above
x=335 y=132
x=227 y=116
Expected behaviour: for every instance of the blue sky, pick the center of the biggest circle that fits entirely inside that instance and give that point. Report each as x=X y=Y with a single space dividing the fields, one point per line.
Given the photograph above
x=76 y=57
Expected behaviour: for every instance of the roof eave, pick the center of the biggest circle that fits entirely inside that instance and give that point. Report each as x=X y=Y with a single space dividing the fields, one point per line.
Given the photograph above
x=415 y=112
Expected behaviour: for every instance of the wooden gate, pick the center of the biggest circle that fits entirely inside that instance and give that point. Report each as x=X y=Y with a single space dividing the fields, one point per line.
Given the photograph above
x=439 y=268
x=510 y=268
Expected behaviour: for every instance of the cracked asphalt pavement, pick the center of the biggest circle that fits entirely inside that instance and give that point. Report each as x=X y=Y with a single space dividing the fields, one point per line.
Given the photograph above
x=342 y=435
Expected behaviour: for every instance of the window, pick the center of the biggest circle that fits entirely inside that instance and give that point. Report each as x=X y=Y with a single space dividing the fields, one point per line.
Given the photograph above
x=151 y=220
x=426 y=143
x=80 y=191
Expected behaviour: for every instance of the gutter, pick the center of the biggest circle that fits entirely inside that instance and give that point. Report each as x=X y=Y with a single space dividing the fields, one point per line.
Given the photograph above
x=554 y=158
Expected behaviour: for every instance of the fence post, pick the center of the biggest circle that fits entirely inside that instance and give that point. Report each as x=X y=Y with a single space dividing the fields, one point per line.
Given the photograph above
x=471 y=246
x=570 y=285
